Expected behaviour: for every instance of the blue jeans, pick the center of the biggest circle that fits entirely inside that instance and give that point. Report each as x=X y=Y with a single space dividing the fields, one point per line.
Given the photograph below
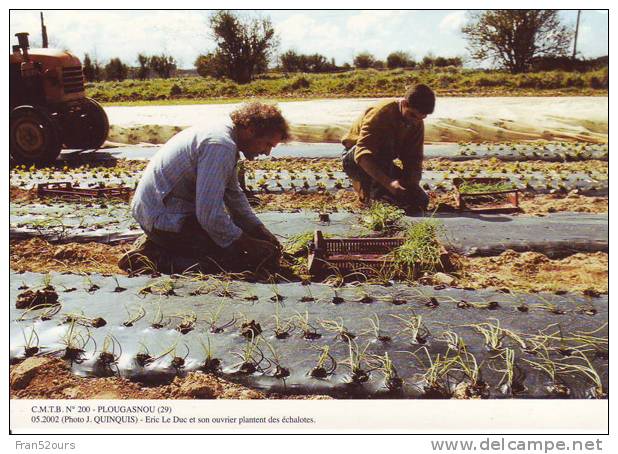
x=417 y=199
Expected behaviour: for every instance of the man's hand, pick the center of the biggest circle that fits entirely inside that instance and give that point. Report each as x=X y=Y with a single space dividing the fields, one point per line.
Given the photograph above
x=262 y=233
x=255 y=253
x=397 y=190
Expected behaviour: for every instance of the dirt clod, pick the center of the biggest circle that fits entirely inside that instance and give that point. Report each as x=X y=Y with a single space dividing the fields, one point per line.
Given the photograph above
x=33 y=298
x=22 y=374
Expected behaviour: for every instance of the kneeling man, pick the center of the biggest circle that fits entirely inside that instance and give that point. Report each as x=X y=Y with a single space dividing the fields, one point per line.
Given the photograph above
x=189 y=202
x=389 y=130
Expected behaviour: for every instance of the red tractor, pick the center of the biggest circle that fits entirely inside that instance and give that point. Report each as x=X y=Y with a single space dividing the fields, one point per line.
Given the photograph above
x=48 y=107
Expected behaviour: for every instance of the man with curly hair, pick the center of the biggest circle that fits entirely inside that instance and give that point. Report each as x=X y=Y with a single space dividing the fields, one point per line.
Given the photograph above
x=189 y=202
x=389 y=130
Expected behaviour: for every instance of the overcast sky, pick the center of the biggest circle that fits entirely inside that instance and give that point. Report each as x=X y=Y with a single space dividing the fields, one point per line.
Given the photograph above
x=338 y=34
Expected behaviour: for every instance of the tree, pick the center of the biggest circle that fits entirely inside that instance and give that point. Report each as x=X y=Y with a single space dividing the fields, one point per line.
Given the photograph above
x=290 y=61
x=116 y=70
x=428 y=61
x=399 y=59
x=514 y=38
x=98 y=71
x=244 y=47
x=163 y=65
x=364 y=60
x=315 y=63
x=88 y=69
x=211 y=65
x=143 y=70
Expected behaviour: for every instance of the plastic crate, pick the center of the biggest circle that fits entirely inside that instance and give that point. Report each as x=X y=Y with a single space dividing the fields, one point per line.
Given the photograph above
x=510 y=197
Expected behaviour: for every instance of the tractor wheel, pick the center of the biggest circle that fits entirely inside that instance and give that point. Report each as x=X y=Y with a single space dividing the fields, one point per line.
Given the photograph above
x=34 y=136
x=91 y=128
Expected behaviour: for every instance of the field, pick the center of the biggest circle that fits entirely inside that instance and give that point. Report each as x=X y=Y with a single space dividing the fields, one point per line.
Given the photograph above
x=357 y=83
x=520 y=311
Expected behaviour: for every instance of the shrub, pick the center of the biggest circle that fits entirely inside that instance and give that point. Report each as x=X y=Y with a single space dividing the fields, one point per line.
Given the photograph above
x=399 y=59
x=175 y=90
x=364 y=60
x=298 y=84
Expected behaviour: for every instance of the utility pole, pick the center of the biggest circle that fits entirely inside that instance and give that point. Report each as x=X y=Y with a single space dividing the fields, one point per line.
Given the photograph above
x=579 y=11
x=44 y=32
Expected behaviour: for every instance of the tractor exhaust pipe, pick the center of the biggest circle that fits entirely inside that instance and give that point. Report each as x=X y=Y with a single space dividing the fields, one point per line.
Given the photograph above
x=22 y=38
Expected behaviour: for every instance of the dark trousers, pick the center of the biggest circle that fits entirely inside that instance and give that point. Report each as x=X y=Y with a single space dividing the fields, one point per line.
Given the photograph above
x=192 y=245
x=417 y=200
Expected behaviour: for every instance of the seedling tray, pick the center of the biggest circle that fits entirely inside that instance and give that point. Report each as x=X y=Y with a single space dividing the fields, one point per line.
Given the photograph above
x=465 y=200
x=347 y=255
x=67 y=190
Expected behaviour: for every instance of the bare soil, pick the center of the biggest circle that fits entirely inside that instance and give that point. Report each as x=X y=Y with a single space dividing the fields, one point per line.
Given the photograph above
x=54 y=380
x=39 y=255
x=532 y=271
x=342 y=200
x=525 y=271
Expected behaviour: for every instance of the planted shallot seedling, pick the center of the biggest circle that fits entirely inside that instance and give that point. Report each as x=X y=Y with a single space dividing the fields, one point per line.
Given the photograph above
x=187 y=323
x=494 y=335
x=164 y=286
x=110 y=354
x=549 y=307
x=308 y=330
x=211 y=364
x=309 y=296
x=375 y=329
x=414 y=328
x=213 y=321
x=392 y=381
x=512 y=382
x=587 y=309
x=91 y=287
x=134 y=317
x=251 y=359
x=282 y=329
x=281 y=372
x=118 y=288
x=336 y=298
x=337 y=327
x=556 y=386
x=355 y=362
x=143 y=357
x=225 y=289
x=321 y=369
x=453 y=341
x=47 y=312
x=158 y=319
x=47 y=282
x=276 y=296
x=436 y=376
x=587 y=369
x=81 y=319
x=75 y=343
x=473 y=387
x=31 y=342
x=587 y=338
x=178 y=362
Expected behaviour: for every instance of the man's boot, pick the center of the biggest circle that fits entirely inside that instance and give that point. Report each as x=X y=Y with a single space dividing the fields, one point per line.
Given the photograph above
x=143 y=258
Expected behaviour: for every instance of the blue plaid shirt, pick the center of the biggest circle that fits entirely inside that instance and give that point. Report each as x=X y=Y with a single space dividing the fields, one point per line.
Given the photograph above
x=195 y=173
